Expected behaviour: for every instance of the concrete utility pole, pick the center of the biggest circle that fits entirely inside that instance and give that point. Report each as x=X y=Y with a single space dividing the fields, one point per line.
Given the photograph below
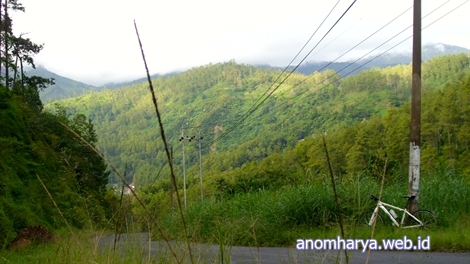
x=415 y=140
x=173 y=184
x=182 y=139
x=199 y=138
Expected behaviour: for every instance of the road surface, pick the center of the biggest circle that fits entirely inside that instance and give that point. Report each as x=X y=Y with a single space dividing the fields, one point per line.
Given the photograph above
x=205 y=253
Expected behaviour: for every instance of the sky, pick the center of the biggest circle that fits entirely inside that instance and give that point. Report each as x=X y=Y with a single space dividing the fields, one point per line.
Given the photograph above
x=94 y=41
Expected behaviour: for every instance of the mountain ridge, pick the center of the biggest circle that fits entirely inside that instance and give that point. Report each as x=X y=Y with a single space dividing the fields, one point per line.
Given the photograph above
x=216 y=97
x=66 y=87
x=429 y=51
x=63 y=88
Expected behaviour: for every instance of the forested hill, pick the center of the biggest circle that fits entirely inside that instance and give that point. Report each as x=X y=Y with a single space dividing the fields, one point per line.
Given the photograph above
x=62 y=88
x=66 y=88
x=215 y=97
x=35 y=147
x=49 y=177
x=428 y=51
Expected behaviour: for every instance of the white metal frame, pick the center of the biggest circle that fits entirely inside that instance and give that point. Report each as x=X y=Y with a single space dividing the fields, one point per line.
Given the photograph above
x=384 y=206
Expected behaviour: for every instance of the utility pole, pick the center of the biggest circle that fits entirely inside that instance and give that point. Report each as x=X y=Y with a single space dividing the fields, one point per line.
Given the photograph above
x=173 y=184
x=182 y=139
x=415 y=140
x=199 y=138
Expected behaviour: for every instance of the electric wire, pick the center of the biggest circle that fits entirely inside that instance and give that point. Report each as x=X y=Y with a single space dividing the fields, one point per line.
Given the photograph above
x=290 y=63
x=365 y=63
x=362 y=65
x=373 y=58
x=287 y=67
x=260 y=103
x=358 y=59
x=341 y=34
x=364 y=40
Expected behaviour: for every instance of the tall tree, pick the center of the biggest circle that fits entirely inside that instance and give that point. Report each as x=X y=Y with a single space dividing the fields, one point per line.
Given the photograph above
x=18 y=49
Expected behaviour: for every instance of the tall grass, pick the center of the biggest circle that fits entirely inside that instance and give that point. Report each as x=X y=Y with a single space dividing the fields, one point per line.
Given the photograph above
x=276 y=216
x=279 y=217
x=86 y=247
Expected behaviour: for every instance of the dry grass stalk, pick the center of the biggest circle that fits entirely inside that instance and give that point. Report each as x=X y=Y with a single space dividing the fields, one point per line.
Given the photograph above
x=58 y=209
x=118 y=227
x=375 y=217
x=336 y=195
x=167 y=150
x=154 y=220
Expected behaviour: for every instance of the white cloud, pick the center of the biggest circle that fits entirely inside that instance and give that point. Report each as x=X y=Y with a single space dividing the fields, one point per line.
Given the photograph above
x=94 y=40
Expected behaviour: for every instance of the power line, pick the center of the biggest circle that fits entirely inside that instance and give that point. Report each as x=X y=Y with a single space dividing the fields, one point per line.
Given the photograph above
x=355 y=46
x=248 y=112
x=246 y=116
x=374 y=58
x=365 y=63
x=260 y=103
x=342 y=33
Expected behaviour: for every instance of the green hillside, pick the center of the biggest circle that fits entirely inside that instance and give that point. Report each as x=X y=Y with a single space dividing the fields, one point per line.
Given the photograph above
x=33 y=145
x=266 y=179
x=266 y=183
x=49 y=178
x=62 y=88
x=66 y=88
x=273 y=201
x=217 y=96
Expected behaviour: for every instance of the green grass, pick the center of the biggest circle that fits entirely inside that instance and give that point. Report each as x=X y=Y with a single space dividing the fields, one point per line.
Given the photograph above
x=84 y=248
x=276 y=218
x=279 y=217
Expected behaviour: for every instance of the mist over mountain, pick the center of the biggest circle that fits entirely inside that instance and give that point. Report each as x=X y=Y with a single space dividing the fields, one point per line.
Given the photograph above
x=429 y=51
x=65 y=87
x=118 y=85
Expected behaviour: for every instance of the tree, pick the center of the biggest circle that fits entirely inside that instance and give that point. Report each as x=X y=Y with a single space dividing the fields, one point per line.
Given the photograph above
x=34 y=144
x=20 y=50
x=355 y=157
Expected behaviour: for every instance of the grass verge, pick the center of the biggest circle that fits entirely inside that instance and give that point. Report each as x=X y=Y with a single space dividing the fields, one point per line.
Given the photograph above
x=279 y=217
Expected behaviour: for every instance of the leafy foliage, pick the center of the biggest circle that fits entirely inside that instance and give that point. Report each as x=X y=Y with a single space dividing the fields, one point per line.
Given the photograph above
x=34 y=144
x=362 y=149
x=214 y=97
x=365 y=119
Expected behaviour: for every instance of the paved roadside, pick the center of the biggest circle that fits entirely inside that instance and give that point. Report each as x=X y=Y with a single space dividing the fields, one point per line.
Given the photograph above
x=205 y=253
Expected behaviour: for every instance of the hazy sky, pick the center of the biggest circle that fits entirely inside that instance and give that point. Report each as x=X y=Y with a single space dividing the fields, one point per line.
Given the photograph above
x=94 y=41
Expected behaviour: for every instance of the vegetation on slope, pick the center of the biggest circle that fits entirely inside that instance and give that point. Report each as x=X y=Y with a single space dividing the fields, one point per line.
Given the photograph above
x=278 y=152
x=217 y=96
x=35 y=146
x=267 y=175
x=361 y=148
x=288 y=194
x=62 y=87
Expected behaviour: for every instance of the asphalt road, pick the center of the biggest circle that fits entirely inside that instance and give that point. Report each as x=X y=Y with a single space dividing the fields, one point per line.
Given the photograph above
x=205 y=253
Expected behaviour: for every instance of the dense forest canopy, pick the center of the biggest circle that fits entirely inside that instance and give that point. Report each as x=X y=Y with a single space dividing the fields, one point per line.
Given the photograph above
x=35 y=146
x=216 y=96
x=360 y=152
